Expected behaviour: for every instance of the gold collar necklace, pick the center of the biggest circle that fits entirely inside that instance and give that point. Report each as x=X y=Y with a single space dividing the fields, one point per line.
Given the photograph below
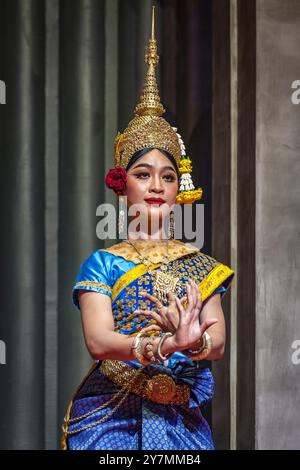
x=165 y=278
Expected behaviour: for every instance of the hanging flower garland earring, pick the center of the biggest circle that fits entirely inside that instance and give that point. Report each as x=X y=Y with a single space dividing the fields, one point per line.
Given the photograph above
x=187 y=192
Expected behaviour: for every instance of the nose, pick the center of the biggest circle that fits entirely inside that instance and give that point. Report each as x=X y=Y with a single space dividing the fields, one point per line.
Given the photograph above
x=157 y=186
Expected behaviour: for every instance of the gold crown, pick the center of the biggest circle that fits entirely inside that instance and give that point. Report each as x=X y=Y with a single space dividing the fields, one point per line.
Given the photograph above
x=149 y=130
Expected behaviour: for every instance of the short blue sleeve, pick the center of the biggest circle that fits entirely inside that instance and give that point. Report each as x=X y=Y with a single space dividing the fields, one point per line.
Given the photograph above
x=94 y=275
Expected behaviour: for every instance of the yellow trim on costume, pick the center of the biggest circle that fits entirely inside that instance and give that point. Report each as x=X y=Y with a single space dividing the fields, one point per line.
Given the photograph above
x=214 y=279
x=130 y=276
x=65 y=426
x=100 y=285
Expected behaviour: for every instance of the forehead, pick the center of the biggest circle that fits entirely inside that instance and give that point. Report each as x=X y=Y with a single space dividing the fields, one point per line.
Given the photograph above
x=155 y=159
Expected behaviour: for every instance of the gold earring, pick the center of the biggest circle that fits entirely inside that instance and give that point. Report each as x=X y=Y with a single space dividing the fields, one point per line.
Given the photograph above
x=121 y=217
x=171 y=228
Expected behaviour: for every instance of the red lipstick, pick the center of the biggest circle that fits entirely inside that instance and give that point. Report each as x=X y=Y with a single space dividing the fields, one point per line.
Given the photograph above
x=155 y=200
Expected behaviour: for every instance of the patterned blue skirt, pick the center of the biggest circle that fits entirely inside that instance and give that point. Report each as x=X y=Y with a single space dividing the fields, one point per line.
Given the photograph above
x=140 y=423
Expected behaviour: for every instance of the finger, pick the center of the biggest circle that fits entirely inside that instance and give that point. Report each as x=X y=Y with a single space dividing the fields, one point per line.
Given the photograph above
x=141 y=312
x=143 y=292
x=199 y=298
x=155 y=300
x=144 y=312
x=183 y=301
x=152 y=327
x=183 y=313
x=198 y=303
x=153 y=315
x=194 y=292
x=179 y=306
x=171 y=298
x=189 y=306
x=151 y=297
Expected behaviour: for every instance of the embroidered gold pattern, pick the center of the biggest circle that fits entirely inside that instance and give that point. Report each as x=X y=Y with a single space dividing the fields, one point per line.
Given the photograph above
x=155 y=249
x=130 y=276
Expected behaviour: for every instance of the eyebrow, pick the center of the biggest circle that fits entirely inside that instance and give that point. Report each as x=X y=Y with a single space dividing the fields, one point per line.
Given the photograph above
x=151 y=166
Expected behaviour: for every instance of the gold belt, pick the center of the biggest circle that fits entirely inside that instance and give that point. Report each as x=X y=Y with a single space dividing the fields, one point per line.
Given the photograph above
x=160 y=388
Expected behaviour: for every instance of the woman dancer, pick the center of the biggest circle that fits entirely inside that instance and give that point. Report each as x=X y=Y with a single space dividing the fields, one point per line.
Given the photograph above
x=150 y=305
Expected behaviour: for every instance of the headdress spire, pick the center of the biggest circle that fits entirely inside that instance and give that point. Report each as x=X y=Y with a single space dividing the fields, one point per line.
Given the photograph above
x=150 y=104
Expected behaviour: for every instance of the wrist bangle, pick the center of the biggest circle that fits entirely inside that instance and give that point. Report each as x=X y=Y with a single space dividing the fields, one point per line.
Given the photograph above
x=206 y=349
x=158 y=352
x=136 y=348
x=202 y=346
x=148 y=351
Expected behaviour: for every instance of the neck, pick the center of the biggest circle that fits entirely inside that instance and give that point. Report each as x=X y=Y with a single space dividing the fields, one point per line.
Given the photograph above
x=147 y=231
x=156 y=236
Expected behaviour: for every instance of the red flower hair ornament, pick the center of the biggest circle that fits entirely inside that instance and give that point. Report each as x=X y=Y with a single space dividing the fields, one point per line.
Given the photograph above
x=116 y=179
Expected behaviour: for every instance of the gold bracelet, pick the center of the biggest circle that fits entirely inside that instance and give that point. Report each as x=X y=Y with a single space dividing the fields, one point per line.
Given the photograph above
x=208 y=344
x=202 y=346
x=148 y=351
x=136 y=348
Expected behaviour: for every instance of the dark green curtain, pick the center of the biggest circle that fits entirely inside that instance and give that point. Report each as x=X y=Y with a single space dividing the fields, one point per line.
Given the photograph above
x=73 y=71
x=22 y=147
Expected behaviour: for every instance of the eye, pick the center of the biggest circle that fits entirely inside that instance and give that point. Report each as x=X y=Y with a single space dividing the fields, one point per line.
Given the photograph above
x=169 y=178
x=142 y=175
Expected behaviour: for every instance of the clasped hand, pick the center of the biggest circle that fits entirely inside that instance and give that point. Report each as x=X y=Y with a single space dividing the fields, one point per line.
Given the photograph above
x=184 y=323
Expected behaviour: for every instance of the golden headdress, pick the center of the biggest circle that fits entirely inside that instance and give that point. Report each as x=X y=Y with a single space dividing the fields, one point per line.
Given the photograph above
x=149 y=130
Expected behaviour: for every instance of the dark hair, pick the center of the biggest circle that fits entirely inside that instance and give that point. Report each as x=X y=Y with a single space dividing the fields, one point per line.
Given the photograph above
x=142 y=152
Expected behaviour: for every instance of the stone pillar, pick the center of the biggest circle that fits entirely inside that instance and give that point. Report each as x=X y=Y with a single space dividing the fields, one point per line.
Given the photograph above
x=277 y=227
x=256 y=187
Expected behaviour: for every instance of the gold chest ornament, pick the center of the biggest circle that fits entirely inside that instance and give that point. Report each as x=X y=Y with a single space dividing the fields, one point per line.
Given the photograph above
x=165 y=278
